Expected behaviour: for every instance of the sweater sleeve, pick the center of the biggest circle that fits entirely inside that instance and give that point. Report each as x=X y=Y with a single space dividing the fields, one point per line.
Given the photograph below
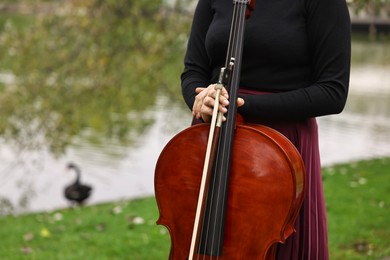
x=196 y=62
x=328 y=34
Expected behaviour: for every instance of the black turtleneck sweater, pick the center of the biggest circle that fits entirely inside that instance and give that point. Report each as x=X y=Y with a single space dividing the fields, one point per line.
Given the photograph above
x=297 y=49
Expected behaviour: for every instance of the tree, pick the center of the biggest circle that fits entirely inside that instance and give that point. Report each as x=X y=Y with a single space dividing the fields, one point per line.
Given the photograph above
x=372 y=9
x=91 y=65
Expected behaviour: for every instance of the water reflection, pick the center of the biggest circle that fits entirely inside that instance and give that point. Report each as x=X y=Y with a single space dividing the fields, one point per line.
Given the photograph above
x=363 y=129
x=35 y=178
x=350 y=137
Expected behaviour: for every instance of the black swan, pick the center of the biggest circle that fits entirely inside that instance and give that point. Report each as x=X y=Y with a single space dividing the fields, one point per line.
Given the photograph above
x=77 y=192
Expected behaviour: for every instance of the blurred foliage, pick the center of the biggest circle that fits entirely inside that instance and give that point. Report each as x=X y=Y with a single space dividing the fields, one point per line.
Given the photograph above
x=371 y=6
x=89 y=65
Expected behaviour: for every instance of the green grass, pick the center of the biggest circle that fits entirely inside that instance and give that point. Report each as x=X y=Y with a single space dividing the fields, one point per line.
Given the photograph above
x=108 y=231
x=358 y=208
x=358 y=205
x=19 y=21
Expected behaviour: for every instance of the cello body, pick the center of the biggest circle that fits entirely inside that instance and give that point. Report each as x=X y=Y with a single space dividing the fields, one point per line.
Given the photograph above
x=265 y=191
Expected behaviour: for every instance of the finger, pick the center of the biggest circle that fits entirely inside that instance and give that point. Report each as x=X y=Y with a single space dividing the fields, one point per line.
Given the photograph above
x=240 y=102
x=197 y=105
x=222 y=109
x=223 y=97
x=198 y=90
x=208 y=101
x=206 y=114
x=223 y=101
x=207 y=111
x=225 y=93
x=199 y=101
x=212 y=92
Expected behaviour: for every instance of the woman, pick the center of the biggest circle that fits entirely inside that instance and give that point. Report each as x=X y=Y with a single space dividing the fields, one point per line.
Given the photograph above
x=295 y=67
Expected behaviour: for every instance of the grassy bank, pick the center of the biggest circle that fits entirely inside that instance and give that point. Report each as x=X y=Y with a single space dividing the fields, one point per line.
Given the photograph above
x=122 y=230
x=358 y=204
x=358 y=207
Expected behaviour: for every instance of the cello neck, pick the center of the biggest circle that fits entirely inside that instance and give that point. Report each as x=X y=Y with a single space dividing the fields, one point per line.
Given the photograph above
x=212 y=228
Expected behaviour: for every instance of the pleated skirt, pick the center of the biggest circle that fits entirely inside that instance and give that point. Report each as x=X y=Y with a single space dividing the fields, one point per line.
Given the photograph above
x=310 y=241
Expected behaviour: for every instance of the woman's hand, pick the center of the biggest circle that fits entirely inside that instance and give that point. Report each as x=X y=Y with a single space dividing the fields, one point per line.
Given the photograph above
x=204 y=102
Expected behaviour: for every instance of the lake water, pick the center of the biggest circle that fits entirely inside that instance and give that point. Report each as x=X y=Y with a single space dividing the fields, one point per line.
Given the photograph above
x=34 y=180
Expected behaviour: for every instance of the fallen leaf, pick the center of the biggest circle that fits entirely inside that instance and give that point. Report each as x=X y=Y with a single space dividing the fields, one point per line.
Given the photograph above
x=101 y=227
x=116 y=210
x=362 y=247
x=136 y=220
x=28 y=236
x=45 y=232
x=57 y=216
x=26 y=250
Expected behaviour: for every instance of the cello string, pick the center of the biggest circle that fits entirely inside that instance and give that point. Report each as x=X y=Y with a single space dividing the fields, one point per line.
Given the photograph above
x=236 y=51
x=214 y=236
x=209 y=229
x=233 y=47
x=221 y=203
x=222 y=188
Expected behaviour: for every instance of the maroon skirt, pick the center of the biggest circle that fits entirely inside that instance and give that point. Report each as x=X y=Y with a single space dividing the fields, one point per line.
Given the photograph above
x=310 y=241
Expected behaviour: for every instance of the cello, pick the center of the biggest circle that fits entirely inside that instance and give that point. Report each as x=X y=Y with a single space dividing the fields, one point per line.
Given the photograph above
x=229 y=190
